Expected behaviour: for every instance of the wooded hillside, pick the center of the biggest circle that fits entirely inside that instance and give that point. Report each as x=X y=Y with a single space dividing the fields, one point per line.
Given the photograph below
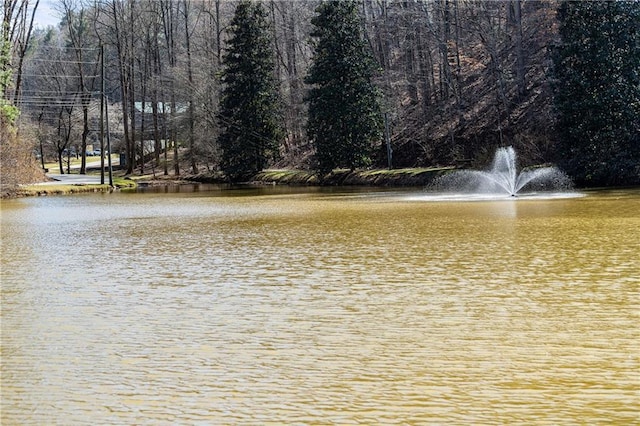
x=457 y=77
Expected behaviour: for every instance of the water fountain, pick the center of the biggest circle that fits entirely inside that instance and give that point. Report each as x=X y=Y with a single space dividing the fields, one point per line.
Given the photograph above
x=504 y=180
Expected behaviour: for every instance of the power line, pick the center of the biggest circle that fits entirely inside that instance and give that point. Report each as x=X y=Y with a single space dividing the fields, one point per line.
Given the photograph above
x=94 y=49
x=55 y=104
x=61 y=105
x=55 y=93
x=60 y=61
x=60 y=75
x=81 y=97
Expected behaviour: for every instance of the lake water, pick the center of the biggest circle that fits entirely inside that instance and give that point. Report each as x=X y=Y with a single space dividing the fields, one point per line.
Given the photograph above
x=310 y=306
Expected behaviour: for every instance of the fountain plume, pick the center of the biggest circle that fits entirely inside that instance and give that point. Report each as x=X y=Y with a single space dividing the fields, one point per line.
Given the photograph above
x=503 y=178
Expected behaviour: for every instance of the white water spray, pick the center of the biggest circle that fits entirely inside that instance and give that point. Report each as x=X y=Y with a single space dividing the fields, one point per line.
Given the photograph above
x=503 y=178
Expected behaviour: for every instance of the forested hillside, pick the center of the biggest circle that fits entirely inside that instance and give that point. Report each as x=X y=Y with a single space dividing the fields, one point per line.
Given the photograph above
x=456 y=78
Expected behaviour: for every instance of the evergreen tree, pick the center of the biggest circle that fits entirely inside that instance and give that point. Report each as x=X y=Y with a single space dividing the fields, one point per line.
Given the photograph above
x=344 y=112
x=8 y=113
x=249 y=115
x=597 y=96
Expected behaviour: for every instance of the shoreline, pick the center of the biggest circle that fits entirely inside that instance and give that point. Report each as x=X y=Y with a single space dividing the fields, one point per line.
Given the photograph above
x=291 y=177
x=407 y=177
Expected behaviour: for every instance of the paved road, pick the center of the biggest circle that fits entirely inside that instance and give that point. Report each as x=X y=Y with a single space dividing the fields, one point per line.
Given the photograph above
x=76 y=179
x=73 y=179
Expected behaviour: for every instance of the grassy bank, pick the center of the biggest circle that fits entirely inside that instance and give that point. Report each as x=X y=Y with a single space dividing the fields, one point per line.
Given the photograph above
x=62 y=189
x=378 y=177
x=33 y=190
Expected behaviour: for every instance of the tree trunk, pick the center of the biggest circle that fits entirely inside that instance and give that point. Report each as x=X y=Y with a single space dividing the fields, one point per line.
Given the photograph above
x=168 y=18
x=124 y=84
x=192 y=144
x=21 y=39
x=520 y=70
x=131 y=148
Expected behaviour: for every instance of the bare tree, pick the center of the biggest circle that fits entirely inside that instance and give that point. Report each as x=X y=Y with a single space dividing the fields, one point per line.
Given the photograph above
x=458 y=76
x=186 y=10
x=17 y=28
x=87 y=63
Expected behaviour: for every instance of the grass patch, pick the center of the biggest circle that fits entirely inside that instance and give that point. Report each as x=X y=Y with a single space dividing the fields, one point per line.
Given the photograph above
x=65 y=189
x=379 y=177
x=136 y=178
x=121 y=182
x=415 y=171
x=285 y=176
x=416 y=176
x=32 y=190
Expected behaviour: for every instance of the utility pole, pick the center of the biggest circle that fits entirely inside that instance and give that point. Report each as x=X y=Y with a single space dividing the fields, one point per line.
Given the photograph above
x=387 y=137
x=106 y=108
x=102 y=117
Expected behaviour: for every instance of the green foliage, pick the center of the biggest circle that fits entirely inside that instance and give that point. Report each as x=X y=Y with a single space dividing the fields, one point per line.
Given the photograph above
x=249 y=115
x=344 y=112
x=8 y=112
x=597 y=91
x=5 y=59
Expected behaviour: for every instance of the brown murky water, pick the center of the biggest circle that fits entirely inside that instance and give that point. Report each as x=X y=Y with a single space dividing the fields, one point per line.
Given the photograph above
x=277 y=306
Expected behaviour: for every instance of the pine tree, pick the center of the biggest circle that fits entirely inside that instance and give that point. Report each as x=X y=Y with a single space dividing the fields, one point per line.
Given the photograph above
x=8 y=113
x=344 y=113
x=597 y=93
x=249 y=115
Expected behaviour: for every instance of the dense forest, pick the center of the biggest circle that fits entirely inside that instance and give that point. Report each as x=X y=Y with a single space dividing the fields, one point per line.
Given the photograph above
x=428 y=82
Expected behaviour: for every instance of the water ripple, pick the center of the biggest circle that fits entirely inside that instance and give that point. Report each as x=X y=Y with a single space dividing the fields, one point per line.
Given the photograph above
x=319 y=310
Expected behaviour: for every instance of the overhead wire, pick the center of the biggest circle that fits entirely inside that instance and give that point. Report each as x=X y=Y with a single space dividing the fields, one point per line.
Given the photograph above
x=72 y=48
x=64 y=61
x=54 y=76
x=52 y=92
x=66 y=96
x=42 y=99
x=36 y=101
